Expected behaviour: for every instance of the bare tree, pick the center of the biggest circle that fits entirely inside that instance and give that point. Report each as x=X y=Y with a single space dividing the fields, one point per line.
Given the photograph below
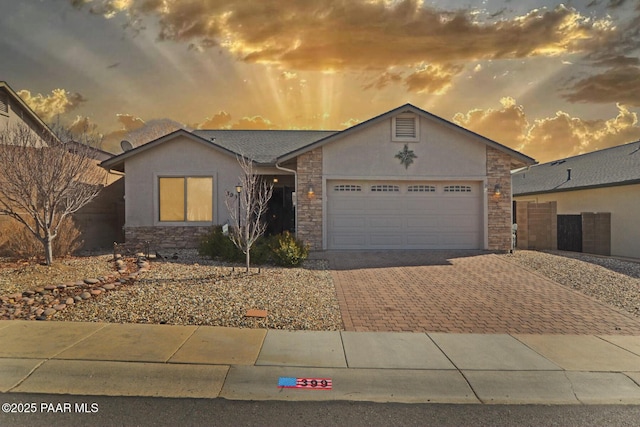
x=44 y=179
x=247 y=216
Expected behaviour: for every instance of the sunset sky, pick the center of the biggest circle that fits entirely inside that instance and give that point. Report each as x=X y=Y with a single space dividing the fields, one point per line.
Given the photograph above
x=547 y=78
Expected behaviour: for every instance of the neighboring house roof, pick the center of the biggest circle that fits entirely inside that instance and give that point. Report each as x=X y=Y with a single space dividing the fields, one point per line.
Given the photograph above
x=613 y=166
x=276 y=146
x=26 y=110
x=263 y=146
x=92 y=152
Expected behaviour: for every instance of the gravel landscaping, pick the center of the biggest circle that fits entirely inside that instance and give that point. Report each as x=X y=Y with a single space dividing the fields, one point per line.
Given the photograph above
x=191 y=290
x=610 y=280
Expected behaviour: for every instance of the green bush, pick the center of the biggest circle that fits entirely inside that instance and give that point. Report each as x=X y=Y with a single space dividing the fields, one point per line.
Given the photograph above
x=282 y=249
x=218 y=246
x=289 y=251
x=261 y=252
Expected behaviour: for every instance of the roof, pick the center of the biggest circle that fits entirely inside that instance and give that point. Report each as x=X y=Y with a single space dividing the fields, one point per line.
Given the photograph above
x=269 y=147
x=263 y=146
x=117 y=162
x=32 y=115
x=613 y=166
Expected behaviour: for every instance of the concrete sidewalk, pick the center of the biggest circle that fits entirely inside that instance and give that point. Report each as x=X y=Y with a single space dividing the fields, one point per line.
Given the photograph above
x=209 y=362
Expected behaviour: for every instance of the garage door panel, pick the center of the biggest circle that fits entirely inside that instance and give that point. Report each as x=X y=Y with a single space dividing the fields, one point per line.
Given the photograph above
x=423 y=240
x=386 y=222
x=386 y=240
x=348 y=222
x=404 y=219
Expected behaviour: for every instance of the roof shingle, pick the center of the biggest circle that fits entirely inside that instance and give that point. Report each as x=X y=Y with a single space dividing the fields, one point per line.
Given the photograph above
x=262 y=146
x=612 y=166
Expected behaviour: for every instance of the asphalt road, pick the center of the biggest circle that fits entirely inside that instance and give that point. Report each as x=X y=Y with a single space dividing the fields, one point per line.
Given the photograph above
x=140 y=411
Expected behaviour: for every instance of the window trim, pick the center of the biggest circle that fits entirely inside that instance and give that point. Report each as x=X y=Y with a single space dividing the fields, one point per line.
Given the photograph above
x=394 y=128
x=185 y=221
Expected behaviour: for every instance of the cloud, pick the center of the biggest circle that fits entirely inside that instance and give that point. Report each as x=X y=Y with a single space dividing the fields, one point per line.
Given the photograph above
x=223 y=120
x=359 y=34
x=129 y=122
x=507 y=125
x=384 y=80
x=435 y=79
x=620 y=82
x=49 y=106
x=253 y=123
x=82 y=125
x=552 y=137
x=615 y=85
x=220 y=120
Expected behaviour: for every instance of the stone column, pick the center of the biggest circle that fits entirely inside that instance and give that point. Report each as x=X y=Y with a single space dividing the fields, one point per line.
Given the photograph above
x=499 y=206
x=309 y=206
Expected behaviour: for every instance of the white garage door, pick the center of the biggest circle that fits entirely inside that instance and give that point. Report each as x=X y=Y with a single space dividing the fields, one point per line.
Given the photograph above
x=404 y=215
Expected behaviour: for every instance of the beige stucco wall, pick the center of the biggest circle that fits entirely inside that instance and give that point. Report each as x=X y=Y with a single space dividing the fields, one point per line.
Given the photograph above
x=622 y=202
x=179 y=157
x=441 y=153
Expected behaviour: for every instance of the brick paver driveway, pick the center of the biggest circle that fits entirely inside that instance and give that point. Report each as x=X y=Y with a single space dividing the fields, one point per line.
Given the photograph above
x=462 y=291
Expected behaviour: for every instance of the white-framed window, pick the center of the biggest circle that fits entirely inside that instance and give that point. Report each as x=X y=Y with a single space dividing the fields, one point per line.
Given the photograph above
x=457 y=189
x=421 y=188
x=347 y=187
x=185 y=198
x=385 y=188
x=4 y=102
x=405 y=127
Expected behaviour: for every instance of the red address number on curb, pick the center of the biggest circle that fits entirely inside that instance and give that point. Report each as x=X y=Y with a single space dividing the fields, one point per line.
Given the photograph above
x=306 y=383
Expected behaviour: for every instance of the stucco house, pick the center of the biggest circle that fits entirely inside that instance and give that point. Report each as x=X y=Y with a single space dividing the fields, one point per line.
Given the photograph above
x=14 y=111
x=405 y=179
x=99 y=220
x=601 y=190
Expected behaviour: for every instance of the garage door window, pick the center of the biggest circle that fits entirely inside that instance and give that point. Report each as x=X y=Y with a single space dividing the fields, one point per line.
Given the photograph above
x=386 y=188
x=421 y=189
x=457 y=189
x=347 y=187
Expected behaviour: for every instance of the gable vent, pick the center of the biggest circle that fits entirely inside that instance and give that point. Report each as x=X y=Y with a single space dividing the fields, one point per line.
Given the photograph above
x=405 y=127
x=4 y=103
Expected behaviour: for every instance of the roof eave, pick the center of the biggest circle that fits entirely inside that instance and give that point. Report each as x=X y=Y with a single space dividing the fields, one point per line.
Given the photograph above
x=583 y=187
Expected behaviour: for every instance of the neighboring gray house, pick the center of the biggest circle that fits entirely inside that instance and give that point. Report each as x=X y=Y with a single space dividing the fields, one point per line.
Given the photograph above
x=404 y=179
x=606 y=182
x=99 y=220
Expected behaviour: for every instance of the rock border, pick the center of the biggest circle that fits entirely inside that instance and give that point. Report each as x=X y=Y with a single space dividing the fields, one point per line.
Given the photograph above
x=43 y=302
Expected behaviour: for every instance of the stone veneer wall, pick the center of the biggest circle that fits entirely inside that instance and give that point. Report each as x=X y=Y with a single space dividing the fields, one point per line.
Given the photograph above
x=179 y=237
x=310 y=206
x=499 y=224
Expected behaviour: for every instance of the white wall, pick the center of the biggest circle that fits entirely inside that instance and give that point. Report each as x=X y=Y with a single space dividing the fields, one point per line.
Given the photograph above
x=623 y=202
x=181 y=156
x=441 y=153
